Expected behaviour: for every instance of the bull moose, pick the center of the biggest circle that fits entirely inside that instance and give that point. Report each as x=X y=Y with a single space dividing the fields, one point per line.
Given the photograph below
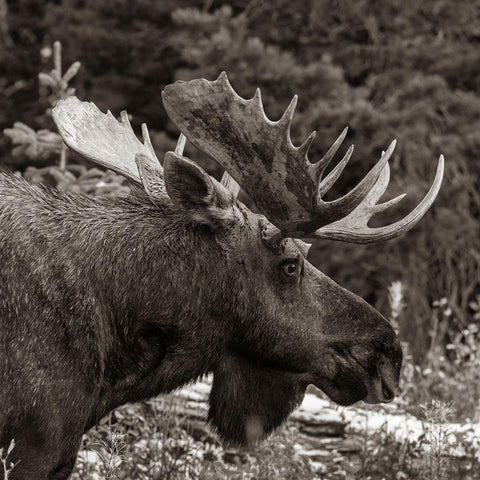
x=105 y=301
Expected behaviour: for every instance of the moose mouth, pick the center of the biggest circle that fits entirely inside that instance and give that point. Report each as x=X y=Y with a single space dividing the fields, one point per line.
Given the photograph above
x=352 y=383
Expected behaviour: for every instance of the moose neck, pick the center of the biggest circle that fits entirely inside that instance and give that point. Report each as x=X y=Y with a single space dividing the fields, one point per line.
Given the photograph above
x=158 y=282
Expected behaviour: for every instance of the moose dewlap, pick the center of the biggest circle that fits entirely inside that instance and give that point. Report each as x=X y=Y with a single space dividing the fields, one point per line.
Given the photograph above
x=106 y=301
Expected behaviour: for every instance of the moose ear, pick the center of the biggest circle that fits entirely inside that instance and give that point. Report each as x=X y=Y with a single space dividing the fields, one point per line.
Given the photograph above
x=193 y=190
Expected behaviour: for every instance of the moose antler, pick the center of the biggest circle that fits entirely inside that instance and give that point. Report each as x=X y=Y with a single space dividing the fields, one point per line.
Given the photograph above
x=108 y=142
x=278 y=176
x=102 y=138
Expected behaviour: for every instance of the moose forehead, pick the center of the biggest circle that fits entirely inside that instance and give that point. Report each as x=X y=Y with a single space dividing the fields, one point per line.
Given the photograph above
x=252 y=227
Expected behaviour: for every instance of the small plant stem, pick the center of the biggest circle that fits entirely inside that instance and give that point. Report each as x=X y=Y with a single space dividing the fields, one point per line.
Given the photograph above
x=57 y=57
x=63 y=157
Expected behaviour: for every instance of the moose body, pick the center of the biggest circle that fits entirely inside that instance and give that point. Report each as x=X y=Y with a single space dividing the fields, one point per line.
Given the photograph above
x=105 y=301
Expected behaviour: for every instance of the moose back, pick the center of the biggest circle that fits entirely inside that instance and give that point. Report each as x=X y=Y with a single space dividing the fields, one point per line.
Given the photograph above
x=105 y=301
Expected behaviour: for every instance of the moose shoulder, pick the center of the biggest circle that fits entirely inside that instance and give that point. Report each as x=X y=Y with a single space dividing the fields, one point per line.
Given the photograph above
x=106 y=301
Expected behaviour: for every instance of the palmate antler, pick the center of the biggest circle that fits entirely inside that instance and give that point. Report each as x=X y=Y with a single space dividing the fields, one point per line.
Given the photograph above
x=101 y=137
x=111 y=143
x=285 y=186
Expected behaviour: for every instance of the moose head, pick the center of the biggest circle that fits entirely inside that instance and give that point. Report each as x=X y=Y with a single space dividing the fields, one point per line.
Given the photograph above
x=265 y=321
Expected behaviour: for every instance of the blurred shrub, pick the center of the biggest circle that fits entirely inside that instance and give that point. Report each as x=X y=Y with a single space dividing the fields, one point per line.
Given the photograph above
x=450 y=370
x=79 y=179
x=44 y=144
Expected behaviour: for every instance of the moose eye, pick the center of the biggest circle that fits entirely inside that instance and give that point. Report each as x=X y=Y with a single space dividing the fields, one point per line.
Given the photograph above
x=290 y=269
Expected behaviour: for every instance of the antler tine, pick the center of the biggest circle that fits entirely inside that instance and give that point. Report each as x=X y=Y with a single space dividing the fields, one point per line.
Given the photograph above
x=354 y=227
x=257 y=97
x=377 y=192
x=148 y=143
x=383 y=206
x=285 y=121
x=145 y=134
x=305 y=146
x=332 y=177
x=323 y=163
x=102 y=138
x=230 y=184
x=180 y=147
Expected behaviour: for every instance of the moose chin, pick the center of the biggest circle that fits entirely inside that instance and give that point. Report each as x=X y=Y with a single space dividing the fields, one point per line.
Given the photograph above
x=112 y=300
